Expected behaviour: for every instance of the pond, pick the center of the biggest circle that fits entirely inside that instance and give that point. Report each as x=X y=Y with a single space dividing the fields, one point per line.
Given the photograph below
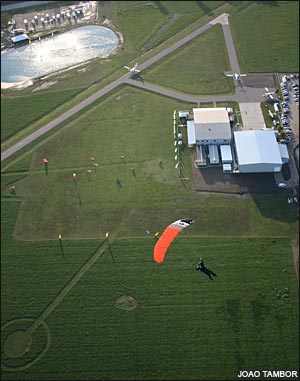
x=56 y=53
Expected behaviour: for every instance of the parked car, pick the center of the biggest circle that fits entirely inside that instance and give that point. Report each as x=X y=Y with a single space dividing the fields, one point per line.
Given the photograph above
x=282 y=185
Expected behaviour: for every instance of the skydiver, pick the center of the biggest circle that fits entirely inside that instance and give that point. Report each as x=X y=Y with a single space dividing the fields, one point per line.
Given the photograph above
x=205 y=270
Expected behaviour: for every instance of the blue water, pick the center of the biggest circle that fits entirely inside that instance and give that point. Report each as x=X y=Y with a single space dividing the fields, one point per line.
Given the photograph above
x=55 y=53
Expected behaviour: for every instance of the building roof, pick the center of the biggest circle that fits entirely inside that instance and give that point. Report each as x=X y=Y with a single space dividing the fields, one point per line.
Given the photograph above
x=226 y=153
x=257 y=147
x=210 y=115
x=213 y=154
x=19 y=38
x=191 y=132
x=212 y=123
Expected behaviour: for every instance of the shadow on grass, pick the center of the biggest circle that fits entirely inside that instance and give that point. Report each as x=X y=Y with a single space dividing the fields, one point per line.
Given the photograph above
x=205 y=8
x=62 y=249
x=161 y=7
x=137 y=77
x=277 y=209
x=269 y=199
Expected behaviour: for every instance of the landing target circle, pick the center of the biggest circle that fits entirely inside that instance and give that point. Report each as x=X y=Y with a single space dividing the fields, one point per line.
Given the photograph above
x=21 y=347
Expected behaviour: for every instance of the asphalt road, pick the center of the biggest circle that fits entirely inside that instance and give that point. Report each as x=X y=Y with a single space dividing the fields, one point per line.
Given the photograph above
x=246 y=94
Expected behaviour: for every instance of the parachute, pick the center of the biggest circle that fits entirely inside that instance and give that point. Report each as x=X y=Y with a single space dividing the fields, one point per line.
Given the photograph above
x=168 y=237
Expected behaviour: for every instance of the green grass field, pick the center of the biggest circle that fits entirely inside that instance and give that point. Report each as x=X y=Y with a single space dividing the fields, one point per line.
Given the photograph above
x=204 y=60
x=267 y=36
x=59 y=320
x=94 y=204
x=20 y=112
x=63 y=296
x=185 y=326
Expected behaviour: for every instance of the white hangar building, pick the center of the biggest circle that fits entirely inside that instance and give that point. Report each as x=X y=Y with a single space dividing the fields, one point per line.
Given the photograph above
x=257 y=151
x=211 y=126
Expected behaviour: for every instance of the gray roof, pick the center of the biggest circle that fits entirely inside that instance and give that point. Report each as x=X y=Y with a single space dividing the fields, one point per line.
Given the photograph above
x=257 y=147
x=213 y=131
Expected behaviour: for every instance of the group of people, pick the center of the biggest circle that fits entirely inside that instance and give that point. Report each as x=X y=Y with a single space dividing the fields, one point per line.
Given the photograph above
x=204 y=269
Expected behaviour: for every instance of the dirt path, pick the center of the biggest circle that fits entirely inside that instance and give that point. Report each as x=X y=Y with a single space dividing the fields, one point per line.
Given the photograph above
x=67 y=288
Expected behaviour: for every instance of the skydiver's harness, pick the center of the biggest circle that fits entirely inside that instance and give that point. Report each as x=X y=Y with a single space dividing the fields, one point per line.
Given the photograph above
x=204 y=269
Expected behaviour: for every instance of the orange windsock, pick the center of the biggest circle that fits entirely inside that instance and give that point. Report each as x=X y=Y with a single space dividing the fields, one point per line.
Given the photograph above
x=168 y=237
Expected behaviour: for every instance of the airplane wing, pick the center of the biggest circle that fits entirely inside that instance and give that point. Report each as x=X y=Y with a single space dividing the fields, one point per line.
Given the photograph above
x=137 y=71
x=126 y=67
x=267 y=90
x=229 y=75
x=243 y=75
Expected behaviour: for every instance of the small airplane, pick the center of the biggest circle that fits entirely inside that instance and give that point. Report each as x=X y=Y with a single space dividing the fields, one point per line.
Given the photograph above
x=269 y=93
x=236 y=76
x=133 y=69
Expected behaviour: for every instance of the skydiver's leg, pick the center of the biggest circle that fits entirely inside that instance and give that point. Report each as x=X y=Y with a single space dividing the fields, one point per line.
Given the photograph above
x=207 y=272
x=214 y=274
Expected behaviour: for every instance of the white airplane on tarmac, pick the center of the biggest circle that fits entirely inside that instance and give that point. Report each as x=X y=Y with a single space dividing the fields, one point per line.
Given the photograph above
x=236 y=76
x=269 y=93
x=133 y=69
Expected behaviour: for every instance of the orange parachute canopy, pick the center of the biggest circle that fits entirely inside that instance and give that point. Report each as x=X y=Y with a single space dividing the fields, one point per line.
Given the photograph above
x=168 y=237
